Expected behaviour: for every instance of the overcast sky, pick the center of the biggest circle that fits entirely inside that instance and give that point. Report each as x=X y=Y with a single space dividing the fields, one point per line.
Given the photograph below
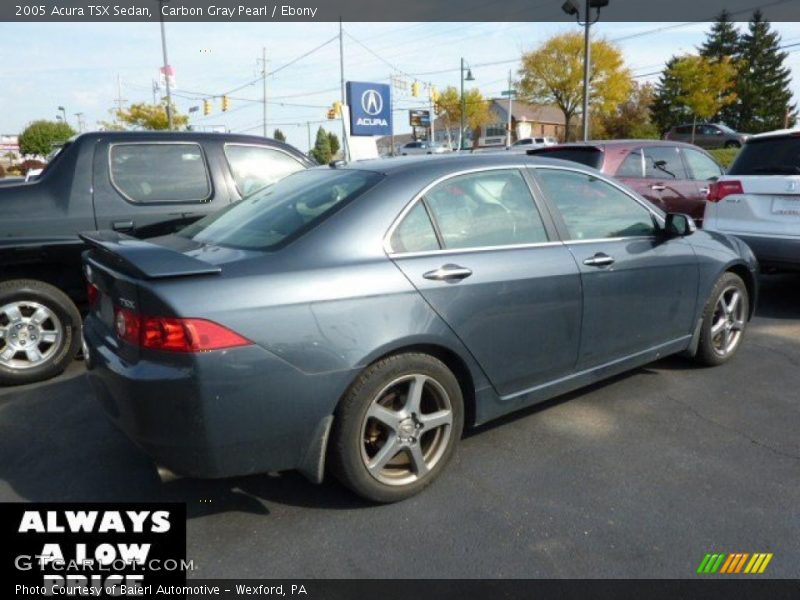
x=77 y=65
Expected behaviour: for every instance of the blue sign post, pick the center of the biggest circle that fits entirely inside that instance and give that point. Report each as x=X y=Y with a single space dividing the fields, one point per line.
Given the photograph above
x=370 y=108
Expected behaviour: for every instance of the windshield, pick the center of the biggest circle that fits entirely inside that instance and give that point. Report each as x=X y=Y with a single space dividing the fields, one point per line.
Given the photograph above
x=768 y=156
x=725 y=128
x=283 y=211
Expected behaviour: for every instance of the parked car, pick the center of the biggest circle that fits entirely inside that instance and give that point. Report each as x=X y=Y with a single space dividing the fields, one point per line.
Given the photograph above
x=533 y=142
x=759 y=199
x=422 y=148
x=141 y=183
x=673 y=176
x=707 y=135
x=366 y=313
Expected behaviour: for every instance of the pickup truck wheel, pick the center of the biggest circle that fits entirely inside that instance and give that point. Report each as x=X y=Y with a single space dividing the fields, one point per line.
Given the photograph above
x=39 y=331
x=397 y=427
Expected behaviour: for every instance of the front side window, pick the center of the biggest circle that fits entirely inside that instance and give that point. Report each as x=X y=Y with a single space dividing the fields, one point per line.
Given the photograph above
x=593 y=209
x=256 y=167
x=702 y=167
x=152 y=173
x=663 y=162
x=279 y=213
x=489 y=208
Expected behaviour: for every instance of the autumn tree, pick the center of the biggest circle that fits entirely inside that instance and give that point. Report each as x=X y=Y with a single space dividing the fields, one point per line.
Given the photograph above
x=146 y=116
x=476 y=108
x=631 y=119
x=40 y=137
x=553 y=74
x=705 y=85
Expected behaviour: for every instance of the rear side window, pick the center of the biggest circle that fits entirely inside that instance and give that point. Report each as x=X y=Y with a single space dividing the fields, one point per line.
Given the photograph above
x=702 y=167
x=593 y=209
x=152 y=173
x=283 y=211
x=663 y=162
x=589 y=156
x=768 y=156
x=256 y=167
x=632 y=166
x=683 y=129
x=415 y=233
x=490 y=208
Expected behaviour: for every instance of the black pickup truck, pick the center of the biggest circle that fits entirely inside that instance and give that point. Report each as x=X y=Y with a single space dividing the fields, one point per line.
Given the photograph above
x=142 y=183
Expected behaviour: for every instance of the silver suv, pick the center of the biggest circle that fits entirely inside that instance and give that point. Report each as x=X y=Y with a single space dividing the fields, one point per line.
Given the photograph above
x=707 y=135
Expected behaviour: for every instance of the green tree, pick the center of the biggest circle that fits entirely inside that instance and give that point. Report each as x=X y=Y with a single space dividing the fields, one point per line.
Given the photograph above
x=631 y=119
x=41 y=136
x=321 y=152
x=476 y=109
x=553 y=74
x=705 y=85
x=146 y=116
x=763 y=87
x=333 y=140
x=666 y=111
x=279 y=135
x=723 y=40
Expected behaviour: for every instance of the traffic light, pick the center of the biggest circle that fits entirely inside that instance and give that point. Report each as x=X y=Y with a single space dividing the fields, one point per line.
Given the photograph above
x=415 y=89
x=435 y=94
x=337 y=108
x=226 y=103
x=206 y=107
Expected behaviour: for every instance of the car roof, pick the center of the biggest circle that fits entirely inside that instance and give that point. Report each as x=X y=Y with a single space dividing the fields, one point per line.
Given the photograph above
x=624 y=144
x=776 y=133
x=452 y=162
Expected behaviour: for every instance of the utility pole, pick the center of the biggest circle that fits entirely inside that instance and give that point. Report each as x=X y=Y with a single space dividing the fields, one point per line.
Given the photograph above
x=308 y=125
x=120 y=101
x=264 y=89
x=166 y=63
x=345 y=144
x=587 y=65
x=79 y=117
x=510 y=109
x=432 y=114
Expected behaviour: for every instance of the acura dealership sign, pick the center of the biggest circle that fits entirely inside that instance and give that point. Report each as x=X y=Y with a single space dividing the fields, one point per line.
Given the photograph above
x=370 y=108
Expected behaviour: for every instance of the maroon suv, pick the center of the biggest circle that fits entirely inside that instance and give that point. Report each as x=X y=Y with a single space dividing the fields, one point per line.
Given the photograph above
x=672 y=175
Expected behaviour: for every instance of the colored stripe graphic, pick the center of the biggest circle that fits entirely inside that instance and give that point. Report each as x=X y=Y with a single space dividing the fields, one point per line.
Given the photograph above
x=735 y=563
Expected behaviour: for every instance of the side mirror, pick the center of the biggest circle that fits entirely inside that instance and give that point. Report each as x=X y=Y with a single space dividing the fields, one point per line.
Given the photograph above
x=679 y=225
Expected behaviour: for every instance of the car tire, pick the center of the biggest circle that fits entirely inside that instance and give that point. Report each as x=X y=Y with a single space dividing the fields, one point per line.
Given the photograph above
x=40 y=331
x=724 y=321
x=733 y=145
x=381 y=408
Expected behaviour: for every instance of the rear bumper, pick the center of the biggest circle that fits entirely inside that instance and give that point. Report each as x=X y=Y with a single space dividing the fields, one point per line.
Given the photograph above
x=782 y=253
x=216 y=414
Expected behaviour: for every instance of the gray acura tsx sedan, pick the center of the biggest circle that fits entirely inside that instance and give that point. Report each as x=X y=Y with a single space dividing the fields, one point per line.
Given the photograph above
x=355 y=318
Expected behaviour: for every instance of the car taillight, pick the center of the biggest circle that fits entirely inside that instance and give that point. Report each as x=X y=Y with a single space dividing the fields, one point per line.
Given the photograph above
x=717 y=190
x=92 y=294
x=175 y=334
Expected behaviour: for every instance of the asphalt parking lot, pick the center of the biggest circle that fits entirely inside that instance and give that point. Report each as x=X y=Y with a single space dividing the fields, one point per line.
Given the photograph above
x=637 y=477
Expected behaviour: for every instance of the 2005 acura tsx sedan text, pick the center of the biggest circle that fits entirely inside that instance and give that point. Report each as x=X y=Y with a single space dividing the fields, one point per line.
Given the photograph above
x=356 y=318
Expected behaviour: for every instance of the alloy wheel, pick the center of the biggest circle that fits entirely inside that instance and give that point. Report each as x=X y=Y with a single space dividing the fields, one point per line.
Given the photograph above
x=728 y=321
x=406 y=429
x=30 y=334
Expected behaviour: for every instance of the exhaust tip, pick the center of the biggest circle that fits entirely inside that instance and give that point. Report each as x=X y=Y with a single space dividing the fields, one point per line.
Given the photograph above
x=165 y=475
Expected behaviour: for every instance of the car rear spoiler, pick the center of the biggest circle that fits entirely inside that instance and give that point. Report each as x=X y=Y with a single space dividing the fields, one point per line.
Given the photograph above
x=146 y=260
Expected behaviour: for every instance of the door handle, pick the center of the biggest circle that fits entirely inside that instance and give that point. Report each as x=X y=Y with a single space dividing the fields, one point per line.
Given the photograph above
x=599 y=260
x=122 y=225
x=448 y=273
x=657 y=187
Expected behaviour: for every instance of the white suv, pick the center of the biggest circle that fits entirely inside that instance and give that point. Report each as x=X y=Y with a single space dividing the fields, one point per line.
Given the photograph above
x=758 y=200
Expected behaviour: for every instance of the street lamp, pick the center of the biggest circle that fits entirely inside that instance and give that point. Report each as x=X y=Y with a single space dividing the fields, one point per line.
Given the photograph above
x=572 y=8
x=161 y=4
x=64 y=113
x=468 y=77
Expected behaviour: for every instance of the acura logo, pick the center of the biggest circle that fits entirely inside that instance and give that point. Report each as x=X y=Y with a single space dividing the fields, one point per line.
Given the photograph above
x=372 y=102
